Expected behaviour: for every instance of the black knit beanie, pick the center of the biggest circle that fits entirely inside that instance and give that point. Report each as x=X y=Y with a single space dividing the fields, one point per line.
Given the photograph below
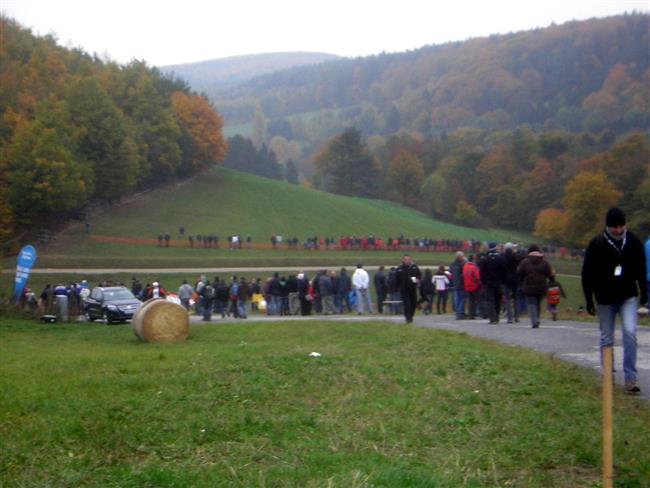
x=615 y=217
x=533 y=248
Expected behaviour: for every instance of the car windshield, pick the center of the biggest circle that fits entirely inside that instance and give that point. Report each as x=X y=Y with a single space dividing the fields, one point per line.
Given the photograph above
x=118 y=295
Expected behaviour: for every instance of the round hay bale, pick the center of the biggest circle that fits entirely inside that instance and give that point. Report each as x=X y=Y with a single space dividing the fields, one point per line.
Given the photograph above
x=159 y=320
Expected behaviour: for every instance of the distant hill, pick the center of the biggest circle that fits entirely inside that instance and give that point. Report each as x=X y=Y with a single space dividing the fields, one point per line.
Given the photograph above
x=216 y=75
x=583 y=75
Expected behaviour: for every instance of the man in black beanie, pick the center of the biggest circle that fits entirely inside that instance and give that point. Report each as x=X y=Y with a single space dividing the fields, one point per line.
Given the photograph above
x=614 y=271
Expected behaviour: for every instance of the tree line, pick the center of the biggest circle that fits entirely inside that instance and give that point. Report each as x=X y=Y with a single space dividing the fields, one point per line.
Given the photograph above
x=557 y=184
x=76 y=129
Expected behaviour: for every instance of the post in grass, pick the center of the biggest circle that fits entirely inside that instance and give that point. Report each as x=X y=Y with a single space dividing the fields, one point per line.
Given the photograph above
x=608 y=473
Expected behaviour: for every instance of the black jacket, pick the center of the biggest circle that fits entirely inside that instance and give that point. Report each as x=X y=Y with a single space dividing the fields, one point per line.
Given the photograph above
x=456 y=269
x=599 y=266
x=325 y=285
x=404 y=275
x=426 y=285
x=534 y=273
x=493 y=269
x=303 y=287
x=381 y=284
x=343 y=283
x=512 y=260
x=275 y=288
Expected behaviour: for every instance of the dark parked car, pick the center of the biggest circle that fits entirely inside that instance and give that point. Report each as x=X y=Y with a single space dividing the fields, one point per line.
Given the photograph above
x=111 y=304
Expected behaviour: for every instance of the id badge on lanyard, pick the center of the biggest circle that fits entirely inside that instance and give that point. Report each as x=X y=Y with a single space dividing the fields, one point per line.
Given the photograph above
x=618 y=270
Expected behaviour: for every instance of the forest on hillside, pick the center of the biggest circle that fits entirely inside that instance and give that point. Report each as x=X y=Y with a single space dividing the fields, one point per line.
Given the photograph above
x=556 y=184
x=583 y=75
x=76 y=130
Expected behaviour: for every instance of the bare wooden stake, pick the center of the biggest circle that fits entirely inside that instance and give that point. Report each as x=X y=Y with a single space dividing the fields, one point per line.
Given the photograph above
x=608 y=465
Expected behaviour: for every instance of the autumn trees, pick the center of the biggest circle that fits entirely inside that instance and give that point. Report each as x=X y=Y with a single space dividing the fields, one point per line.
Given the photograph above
x=76 y=129
x=619 y=176
x=589 y=75
x=556 y=184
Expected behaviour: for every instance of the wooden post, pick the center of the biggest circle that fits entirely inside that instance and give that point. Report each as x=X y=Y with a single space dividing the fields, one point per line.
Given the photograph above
x=608 y=469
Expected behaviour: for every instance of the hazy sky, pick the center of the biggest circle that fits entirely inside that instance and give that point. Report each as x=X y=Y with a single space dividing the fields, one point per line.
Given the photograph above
x=171 y=32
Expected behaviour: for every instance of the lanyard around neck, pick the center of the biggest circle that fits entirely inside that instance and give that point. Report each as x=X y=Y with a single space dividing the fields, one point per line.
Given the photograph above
x=611 y=243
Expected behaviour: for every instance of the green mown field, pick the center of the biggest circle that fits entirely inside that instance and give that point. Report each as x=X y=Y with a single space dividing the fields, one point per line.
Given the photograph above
x=245 y=405
x=225 y=202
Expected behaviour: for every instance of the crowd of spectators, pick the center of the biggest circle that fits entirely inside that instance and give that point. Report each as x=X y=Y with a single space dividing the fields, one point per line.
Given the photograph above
x=349 y=243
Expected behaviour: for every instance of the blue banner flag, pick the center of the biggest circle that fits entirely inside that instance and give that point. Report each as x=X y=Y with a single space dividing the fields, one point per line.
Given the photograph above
x=26 y=259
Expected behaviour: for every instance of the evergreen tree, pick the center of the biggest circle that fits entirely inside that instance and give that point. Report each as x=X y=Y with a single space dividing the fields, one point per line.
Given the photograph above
x=346 y=167
x=291 y=172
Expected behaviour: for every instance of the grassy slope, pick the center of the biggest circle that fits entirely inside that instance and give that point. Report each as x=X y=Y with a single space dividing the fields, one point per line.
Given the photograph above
x=226 y=202
x=244 y=405
x=229 y=202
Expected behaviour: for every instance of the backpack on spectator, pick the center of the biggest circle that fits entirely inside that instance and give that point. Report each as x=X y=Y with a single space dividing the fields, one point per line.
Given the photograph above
x=209 y=292
x=553 y=295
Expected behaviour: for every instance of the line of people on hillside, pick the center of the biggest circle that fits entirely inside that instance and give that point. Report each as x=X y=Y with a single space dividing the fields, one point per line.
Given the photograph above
x=353 y=243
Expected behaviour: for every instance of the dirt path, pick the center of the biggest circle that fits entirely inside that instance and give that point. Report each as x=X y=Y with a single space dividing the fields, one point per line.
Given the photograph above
x=202 y=270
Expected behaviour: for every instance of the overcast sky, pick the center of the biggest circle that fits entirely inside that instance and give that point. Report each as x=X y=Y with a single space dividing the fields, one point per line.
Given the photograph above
x=171 y=32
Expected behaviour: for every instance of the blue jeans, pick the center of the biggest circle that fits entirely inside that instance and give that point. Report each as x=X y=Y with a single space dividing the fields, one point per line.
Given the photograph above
x=220 y=307
x=363 y=300
x=342 y=301
x=607 y=318
x=459 y=303
x=241 y=308
x=534 y=308
x=512 y=311
x=276 y=305
x=207 y=310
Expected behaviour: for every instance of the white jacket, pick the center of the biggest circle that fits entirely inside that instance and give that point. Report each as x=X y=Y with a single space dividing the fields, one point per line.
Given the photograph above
x=360 y=279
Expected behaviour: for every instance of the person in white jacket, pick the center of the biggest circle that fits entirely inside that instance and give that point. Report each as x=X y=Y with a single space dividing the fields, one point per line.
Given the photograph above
x=360 y=282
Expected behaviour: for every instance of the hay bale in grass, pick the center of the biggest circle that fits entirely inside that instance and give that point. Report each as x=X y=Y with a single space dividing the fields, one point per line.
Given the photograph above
x=161 y=321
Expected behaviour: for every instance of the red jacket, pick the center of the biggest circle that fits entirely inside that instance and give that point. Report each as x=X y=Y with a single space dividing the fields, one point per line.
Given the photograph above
x=472 y=277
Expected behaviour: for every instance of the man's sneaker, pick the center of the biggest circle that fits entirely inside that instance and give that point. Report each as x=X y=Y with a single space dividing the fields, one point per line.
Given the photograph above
x=631 y=387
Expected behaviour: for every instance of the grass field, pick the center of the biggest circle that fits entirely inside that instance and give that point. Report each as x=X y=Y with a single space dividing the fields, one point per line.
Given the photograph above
x=245 y=405
x=226 y=202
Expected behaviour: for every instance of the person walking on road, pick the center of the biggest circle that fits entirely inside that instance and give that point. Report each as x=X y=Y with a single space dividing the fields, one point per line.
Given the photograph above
x=408 y=281
x=534 y=273
x=510 y=289
x=614 y=272
x=185 y=292
x=493 y=277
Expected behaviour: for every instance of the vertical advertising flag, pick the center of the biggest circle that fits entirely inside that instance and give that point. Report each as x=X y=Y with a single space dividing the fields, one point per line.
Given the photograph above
x=26 y=259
